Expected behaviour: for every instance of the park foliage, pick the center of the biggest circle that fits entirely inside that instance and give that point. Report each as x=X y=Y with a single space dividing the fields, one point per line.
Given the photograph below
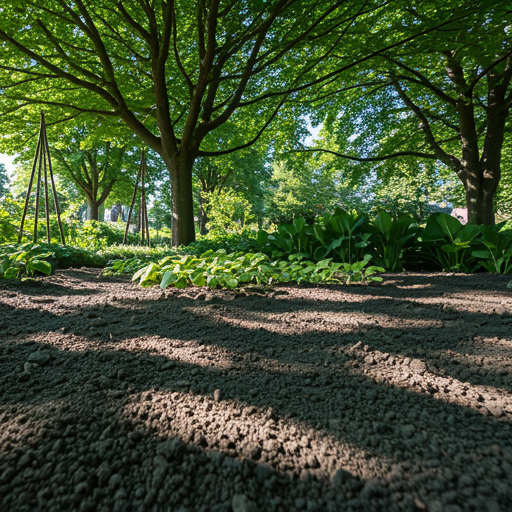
x=414 y=103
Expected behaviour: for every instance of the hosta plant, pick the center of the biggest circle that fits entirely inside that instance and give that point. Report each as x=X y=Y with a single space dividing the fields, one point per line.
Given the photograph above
x=20 y=262
x=356 y=272
x=390 y=238
x=218 y=269
x=342 y=236
x=448 y=244
x=495 y=255
x=295 y=238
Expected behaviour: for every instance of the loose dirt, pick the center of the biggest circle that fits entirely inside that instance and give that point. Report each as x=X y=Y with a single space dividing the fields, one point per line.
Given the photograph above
x=396 y=397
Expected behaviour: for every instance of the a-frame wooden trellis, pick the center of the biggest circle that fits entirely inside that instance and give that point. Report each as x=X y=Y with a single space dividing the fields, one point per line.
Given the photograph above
x=42 y=157
x=143 y=210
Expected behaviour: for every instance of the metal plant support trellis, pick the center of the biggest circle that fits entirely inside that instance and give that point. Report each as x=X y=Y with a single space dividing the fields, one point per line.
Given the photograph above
x=143 y=210
x=42 y=157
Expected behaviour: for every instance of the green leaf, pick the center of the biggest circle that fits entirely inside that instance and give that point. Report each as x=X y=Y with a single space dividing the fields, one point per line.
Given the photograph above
x=245 y=277
x=199 y=280
x=232 y=282
x=11 y=273
x=323 y=263
x=168 y=279
x=41 y=266
x=139 y=273
x=449 y=249
x=441 y=225
x=181 y=282
x=262 y=237
x=150 y=270
x=383 y=222
x=481 y=254
x=212 y=282
x=299 y=223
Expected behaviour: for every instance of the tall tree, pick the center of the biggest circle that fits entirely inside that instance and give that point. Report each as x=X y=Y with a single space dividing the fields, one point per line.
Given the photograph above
x=244 y=172
x=4 y=181
x=175 y=71
x=94 y=170
x=445 y=98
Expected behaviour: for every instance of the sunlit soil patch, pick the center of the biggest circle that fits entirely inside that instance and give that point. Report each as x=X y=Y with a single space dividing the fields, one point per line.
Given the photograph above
x=413 y=286
x=309 y=321
x=166 y=351
x=246 y=432
x=414 y=374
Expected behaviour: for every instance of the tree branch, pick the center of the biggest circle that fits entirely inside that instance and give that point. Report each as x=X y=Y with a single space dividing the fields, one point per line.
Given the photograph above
x=136 y=26
x=247 y=144
x=450 y=160
x=190 y=85
x=430 y=156
x=65 y=56
x=422 y=79
x=348 y=66
x=472 y=85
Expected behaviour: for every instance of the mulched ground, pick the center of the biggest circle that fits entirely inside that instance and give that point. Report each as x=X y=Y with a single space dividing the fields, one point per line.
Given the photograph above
x=330 y=398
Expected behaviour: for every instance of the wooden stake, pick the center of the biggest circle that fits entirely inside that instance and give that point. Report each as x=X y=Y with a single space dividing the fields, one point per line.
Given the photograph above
x=55 y=197
x=142 y=213
x=27 y=198
x=38 y=193
x=41 y=157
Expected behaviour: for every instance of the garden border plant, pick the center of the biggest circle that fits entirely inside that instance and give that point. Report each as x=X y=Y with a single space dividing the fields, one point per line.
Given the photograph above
x=219 y=269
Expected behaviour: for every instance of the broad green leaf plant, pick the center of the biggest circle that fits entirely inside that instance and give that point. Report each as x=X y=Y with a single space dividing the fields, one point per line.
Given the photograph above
x=20 y=262
x=221 y=270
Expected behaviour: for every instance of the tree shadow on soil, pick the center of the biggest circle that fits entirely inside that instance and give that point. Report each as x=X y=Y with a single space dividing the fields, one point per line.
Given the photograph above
x=383 y=425
x=378 y=424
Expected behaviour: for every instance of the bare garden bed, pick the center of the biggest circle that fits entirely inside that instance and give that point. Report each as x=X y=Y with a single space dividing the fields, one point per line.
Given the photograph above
x=323 y=398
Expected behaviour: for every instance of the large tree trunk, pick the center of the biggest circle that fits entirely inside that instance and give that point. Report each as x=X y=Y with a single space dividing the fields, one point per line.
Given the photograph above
x=180 y=172
x=480 y=198
x=92 y=210
x=481 y=176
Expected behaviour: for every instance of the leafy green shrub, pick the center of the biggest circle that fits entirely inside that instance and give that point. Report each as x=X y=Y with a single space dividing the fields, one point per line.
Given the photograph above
x=344 y=235
x=97 y=236
x=162 y=236
x=20 y=262
x=10 y=212
x=496 y=254
x=218 y=269
x=390 y=238
x=356 y=272
x=447 y=244
x=227 y=211
x=8 y=231
x=297 y=237
x=341 y=235
x=244 y=241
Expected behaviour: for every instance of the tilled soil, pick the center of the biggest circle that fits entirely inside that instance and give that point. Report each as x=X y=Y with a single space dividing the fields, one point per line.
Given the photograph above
x=356 y=398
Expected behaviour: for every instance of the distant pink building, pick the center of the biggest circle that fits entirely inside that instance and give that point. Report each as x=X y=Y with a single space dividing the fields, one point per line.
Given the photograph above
x=461 y=214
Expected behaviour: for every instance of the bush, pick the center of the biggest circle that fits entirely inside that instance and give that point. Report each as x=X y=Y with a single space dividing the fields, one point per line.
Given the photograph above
x=95 y=235
x=227 y=211
x=245 y=241
x=218 y=269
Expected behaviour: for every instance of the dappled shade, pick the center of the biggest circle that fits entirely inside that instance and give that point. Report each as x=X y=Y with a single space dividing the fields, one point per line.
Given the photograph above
x=330 y=396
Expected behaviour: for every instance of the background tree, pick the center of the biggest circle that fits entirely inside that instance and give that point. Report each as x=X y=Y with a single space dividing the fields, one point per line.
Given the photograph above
x=446 y=98
x=243 y=172
x=95 y=170
x=227 y=211
x=301 y=187
x=175 y=71
x=4 y=181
